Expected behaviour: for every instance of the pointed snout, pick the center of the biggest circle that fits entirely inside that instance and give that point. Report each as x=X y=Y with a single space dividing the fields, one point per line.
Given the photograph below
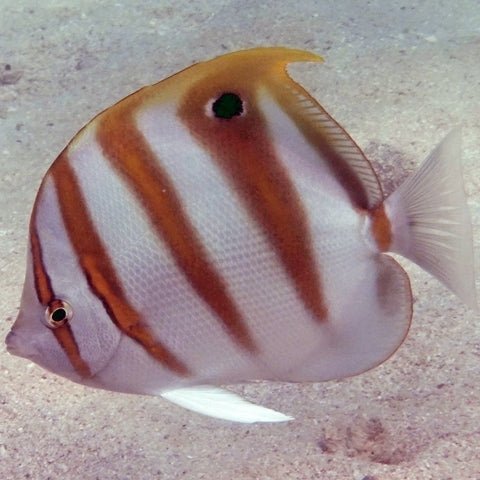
x=17 y=346
x=10 y=342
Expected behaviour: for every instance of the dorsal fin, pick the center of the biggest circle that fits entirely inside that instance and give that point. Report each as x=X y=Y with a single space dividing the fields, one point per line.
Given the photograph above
x=244 y=68
x=343 y=156
x=249 y=70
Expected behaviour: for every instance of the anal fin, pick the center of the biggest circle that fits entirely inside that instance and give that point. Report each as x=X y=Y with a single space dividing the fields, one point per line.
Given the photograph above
x=373 y=316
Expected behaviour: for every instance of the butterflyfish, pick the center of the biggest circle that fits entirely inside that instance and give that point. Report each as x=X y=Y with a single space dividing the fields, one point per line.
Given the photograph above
x=221 y=227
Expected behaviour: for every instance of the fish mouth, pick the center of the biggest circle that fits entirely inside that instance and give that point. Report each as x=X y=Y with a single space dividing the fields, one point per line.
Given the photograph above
x=18 y=347
x=10 y=342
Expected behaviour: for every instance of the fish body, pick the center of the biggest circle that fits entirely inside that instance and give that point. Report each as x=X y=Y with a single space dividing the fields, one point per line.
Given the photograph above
x=218 y=227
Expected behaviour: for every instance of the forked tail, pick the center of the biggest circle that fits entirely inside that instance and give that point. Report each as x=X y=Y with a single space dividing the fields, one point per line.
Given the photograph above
x=430 y=220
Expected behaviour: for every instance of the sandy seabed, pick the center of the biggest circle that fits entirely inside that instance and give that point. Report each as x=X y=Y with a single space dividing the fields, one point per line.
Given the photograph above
x=398 y=76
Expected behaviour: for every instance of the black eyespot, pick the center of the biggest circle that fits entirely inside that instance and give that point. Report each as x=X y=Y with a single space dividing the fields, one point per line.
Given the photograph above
x=227 y=105
x=58 y=313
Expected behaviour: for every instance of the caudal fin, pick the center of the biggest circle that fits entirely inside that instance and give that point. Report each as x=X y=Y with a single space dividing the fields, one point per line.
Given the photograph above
x=431 y=222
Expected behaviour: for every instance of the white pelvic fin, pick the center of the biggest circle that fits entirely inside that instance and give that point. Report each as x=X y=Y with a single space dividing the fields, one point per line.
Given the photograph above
x=431 y=222
x=219 y=403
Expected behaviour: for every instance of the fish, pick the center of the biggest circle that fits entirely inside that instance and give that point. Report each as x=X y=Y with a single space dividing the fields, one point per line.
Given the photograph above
x=220 y=227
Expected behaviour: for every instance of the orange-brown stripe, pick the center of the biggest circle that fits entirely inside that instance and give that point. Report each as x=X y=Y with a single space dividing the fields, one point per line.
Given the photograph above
x=46 y=297
x=243 y=150
x=43 y=285
x=381 y=228
x=66 y=339
x=125 y=148
x=98 y=268
x=320 y=141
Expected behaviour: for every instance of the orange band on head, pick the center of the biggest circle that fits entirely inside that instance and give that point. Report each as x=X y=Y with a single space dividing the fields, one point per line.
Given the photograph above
x=46 y=297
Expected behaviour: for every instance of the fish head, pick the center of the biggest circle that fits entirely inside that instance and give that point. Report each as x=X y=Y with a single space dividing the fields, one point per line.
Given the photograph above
x=61 y=325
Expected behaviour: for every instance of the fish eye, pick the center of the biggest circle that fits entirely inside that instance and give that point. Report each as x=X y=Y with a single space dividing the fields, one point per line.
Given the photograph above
x=227 y=106
x=58 y=313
